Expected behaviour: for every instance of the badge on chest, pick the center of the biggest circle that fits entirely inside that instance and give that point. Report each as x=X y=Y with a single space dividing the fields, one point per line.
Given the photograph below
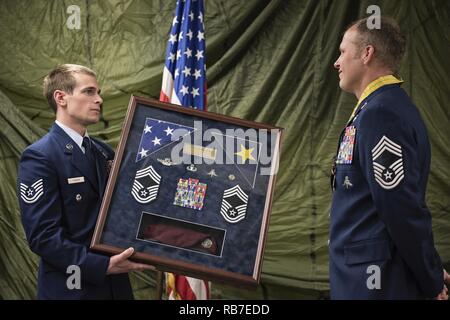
x=347 y=146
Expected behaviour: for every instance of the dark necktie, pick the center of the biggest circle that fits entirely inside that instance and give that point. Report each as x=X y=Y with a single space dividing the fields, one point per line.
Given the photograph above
x=89 y=153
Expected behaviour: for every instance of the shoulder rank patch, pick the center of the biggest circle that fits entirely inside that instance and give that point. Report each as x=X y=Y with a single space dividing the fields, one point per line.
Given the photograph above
x=30 y=194
x=387 y=163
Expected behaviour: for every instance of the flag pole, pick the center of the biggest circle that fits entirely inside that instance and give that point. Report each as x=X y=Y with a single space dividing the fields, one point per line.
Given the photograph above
x=184 y=84
x=159 y=284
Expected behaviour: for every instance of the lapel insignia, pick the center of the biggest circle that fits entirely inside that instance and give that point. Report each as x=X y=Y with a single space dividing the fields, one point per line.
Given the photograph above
x=30 y=194
x=146 y=185
x=234 y=204
x=387 y=163
x=347 y=183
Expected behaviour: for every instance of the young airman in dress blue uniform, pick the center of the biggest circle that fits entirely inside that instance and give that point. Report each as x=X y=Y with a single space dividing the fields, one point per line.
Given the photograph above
x=61 y=181
x=381 y=240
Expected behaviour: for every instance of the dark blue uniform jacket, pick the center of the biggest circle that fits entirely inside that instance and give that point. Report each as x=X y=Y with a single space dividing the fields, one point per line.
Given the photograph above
x=381 y=241
x=60 y=197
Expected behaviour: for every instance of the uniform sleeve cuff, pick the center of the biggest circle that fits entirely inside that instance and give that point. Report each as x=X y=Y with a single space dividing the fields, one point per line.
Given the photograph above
x=94 y=268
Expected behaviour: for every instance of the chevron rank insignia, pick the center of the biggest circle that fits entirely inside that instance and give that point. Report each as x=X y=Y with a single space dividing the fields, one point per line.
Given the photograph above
x=234 y=204
x=30 y=194
x=387 y=163
x=146 y=185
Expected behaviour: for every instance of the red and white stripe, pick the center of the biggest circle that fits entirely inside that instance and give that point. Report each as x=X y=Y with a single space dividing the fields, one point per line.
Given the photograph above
x=180 y=287
x=168 y=93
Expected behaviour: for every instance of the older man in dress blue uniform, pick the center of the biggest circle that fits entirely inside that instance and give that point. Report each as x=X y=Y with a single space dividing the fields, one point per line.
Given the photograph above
x=381 y=239
x=61 y=181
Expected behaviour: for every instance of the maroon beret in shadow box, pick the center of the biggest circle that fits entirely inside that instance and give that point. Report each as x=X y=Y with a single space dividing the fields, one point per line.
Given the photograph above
x=181 y=237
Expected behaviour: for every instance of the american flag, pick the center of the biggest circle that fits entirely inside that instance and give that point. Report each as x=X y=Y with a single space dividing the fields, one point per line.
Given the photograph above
x=184 y=83
x=184 y=78
x=157 y=134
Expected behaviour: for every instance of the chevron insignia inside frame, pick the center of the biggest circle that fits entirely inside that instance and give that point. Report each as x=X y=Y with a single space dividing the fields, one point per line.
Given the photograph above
x=234 y=204
x=146 y=185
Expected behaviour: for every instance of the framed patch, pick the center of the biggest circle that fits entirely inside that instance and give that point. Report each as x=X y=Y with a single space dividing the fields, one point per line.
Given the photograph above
x=145 y=185
x=234 y=204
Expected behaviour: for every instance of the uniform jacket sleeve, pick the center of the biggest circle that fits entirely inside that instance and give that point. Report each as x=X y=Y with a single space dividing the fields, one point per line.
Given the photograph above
x=397 y=194
x=42 y=219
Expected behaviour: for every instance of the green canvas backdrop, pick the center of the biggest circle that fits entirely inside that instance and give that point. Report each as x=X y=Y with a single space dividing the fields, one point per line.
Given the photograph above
x=268 y=61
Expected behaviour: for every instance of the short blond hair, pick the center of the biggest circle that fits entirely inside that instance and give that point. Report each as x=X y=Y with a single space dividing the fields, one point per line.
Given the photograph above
x=388 y=41
x=61 y=78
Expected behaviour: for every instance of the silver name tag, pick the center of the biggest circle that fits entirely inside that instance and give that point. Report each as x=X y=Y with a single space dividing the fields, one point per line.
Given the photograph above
x=75 y=180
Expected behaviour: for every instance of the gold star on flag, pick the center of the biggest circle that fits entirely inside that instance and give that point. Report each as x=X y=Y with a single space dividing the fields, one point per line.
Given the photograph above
x=245 y=154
